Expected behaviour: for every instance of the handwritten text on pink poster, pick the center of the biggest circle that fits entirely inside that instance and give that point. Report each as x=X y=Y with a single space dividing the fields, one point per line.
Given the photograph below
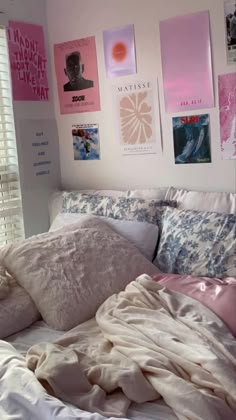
x=28 y=62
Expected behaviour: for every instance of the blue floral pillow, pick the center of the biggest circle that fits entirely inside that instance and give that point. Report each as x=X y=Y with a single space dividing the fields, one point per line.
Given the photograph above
x=197 y=243
x=118 y=208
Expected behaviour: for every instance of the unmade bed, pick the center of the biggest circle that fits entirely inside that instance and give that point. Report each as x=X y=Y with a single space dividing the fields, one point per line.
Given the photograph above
x=125 y=309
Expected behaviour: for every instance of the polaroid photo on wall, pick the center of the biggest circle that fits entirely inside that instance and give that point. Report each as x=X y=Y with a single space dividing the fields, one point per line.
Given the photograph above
x=86 y=142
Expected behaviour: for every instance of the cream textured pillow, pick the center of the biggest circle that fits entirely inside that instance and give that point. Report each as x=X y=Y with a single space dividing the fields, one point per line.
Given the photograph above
x=71 y=271
x=141 y=234
x=17 y=310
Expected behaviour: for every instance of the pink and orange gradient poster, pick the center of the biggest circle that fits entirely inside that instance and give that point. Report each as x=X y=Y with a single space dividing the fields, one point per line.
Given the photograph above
x=119 y=51
x=186 y=62
x=28 y=62
x=77 y=75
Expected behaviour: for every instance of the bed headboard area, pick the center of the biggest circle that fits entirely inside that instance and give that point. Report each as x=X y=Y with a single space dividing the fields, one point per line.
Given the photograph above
x=221 y=202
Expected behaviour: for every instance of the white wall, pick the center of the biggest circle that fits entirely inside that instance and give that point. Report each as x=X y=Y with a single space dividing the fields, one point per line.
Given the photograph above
x=35 y=200
x=73 y=19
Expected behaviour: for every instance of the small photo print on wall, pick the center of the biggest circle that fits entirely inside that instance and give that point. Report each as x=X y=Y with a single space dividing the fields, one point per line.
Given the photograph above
x=230 y=30
x=192 y=139
x=137 y=117
x=86 y=144
x=119 y=51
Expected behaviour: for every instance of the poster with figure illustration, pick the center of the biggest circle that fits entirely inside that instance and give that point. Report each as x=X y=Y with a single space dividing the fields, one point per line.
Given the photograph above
x=192 y=139
x=137 y=116
x=227 y=108
x=77 y=76
x=230 y=30
x=119 y=51
x=86 y=144
x=28 y=62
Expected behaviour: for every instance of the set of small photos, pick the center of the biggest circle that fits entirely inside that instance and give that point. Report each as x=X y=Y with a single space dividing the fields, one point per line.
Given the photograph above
x=136 y=103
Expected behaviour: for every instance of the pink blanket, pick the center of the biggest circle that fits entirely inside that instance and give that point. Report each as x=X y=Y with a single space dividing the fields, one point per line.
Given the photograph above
x=218 y=295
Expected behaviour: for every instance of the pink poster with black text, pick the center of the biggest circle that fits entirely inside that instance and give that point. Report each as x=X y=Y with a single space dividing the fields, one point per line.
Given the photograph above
x=28 y=62
x=227 y=107
x=77 y=76
x=186 y=62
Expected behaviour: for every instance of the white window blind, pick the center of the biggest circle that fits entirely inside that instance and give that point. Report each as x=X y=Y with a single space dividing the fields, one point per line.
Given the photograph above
x=11 y=219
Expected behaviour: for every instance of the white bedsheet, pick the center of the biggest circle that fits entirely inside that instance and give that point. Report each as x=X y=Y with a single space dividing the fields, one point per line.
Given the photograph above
x=24 y=391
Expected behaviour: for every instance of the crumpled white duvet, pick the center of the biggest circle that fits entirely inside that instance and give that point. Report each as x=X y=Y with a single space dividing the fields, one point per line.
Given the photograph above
x=23 y=398
x=148 y=341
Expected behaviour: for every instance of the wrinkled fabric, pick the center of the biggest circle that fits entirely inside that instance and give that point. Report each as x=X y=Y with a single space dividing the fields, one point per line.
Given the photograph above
x=217 y=294
x=146 y=342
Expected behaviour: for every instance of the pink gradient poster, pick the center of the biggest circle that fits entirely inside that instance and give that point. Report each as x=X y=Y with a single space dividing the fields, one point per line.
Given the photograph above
x=119 y=51
x=227 y=107
x=77 y=76
x=186 y=62
x=28 y=62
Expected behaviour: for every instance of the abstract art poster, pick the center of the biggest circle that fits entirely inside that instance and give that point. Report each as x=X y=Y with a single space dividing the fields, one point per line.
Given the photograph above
x=77 y=76
x=230 y=30
x=28 y=62
x=86 y=143
x=227 y=108
x=192 y=139
x=186 y=62
x=119 y=51
x=137 y=116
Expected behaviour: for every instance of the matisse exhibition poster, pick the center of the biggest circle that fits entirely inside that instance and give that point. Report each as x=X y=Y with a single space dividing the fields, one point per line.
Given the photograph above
x=28 y=62
x=137 y=117
x=119 y=51
x=186 y=62
x=77 y=76
x=227 y=108
x=192 y=139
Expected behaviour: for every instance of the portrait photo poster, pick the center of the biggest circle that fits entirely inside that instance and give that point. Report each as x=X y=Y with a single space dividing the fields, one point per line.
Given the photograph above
x=86 y=143
x=186 y=62
x=119 y=51
x=227 y=108
x=28 y=62
x=230 y=30
x=77 y=76
x=191 y=136
x=137 y=117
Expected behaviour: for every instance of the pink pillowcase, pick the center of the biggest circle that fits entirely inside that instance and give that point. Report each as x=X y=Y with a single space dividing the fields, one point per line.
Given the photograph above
x=218 y=295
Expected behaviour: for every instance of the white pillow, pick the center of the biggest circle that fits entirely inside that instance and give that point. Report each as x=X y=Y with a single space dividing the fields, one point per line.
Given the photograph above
x=219 y=202
x=70 y=272
x=148 y=193
x=142 y=234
